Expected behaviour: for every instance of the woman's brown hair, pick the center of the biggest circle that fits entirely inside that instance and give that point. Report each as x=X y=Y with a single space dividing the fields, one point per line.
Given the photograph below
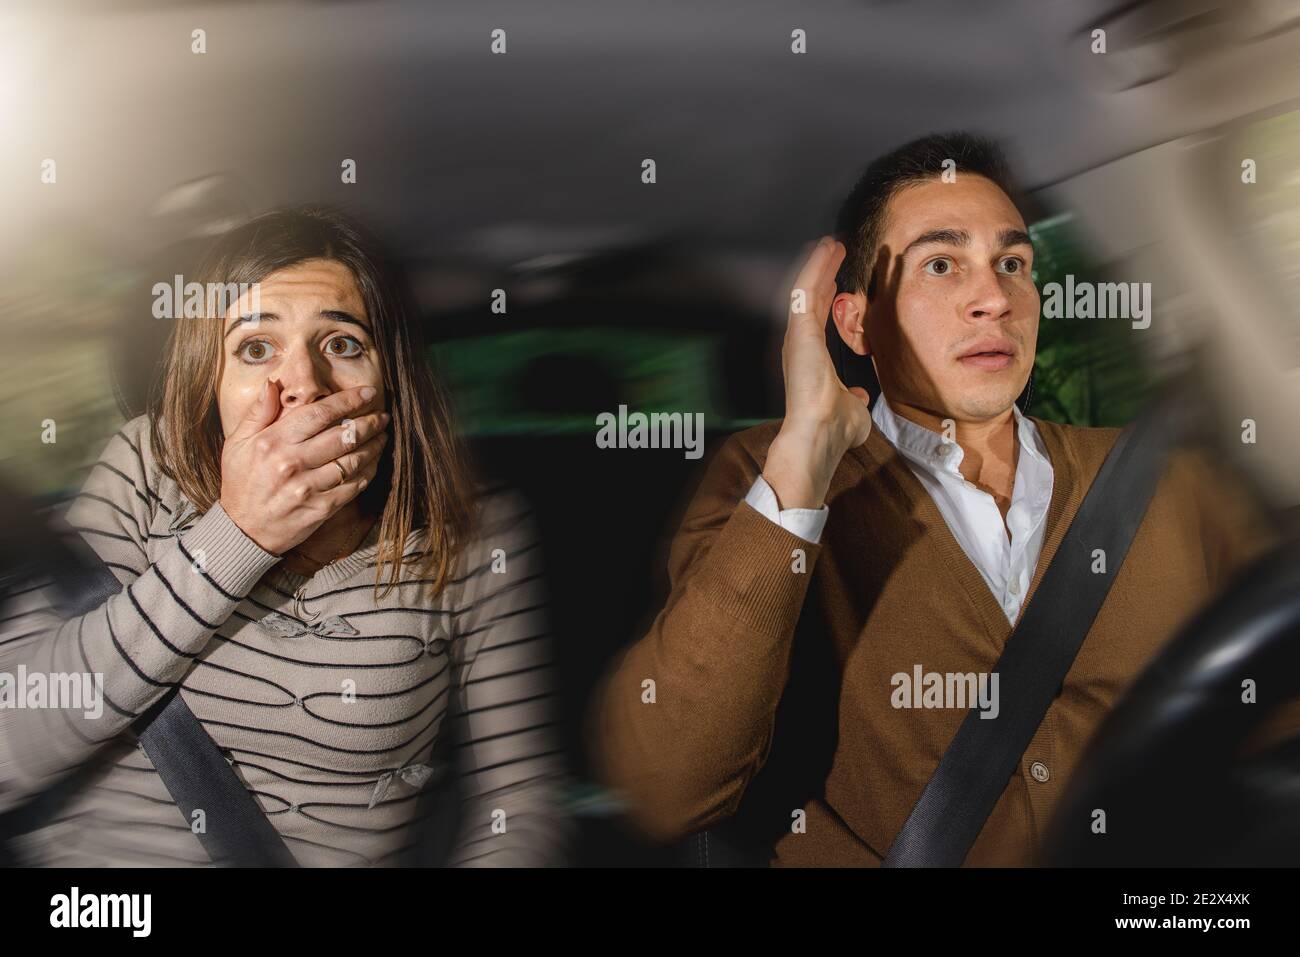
x=424 y=478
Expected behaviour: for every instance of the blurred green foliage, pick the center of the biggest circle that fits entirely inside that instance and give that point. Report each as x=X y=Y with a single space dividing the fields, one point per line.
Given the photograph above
x=1087 y=371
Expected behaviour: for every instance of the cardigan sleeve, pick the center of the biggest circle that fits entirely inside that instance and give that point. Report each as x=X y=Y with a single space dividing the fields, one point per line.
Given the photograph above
x=101 y=670
x=683 y=720
x=503 y=701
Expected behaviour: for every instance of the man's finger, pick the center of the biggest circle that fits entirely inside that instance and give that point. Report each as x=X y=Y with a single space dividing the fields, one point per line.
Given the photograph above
x=816 y=280
x=810 y=302
x=835 y=260
x=806 y=283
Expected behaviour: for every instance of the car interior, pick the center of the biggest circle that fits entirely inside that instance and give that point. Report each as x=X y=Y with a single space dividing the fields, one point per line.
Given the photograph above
x=670 y=296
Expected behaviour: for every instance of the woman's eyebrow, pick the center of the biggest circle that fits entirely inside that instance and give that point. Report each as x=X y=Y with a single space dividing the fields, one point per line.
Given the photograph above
x=339 y=316
x=253 y=317
x=258 y=317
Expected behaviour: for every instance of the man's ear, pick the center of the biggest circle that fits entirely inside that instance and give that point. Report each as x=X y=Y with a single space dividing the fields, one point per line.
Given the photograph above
x=849 y=312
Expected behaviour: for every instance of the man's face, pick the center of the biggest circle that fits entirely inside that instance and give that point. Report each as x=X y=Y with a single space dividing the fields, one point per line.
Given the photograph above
x=953 y=324
x=312 y=335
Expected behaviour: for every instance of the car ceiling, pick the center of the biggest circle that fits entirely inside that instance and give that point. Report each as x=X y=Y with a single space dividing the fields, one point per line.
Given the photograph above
x=461 y=153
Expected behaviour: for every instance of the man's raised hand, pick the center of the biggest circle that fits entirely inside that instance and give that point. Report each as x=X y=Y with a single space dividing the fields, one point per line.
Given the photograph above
x=823 y=418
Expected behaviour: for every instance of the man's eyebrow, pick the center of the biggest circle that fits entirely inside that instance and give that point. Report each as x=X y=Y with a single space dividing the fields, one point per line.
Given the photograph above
x=336 y=314
x=959 y=237
x=947 y=237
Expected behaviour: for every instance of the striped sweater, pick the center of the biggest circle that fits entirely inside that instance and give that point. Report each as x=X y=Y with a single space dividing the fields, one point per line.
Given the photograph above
x=326 y=702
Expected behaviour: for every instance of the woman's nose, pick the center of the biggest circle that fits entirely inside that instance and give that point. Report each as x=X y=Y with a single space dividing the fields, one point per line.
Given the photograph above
x=302 y=382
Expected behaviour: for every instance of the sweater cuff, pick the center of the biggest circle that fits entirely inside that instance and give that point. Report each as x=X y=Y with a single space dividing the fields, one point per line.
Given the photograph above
x=231 y=559
x=758 y=572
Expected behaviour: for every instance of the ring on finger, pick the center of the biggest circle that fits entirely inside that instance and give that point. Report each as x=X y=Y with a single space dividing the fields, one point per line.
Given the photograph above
x=343 y=476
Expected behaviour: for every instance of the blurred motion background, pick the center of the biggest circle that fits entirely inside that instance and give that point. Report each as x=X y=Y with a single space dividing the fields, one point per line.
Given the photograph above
x=522 y=172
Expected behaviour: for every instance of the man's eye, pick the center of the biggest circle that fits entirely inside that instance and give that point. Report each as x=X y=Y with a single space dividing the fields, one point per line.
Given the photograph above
x=1012 y=265
x=344 y=347
x=255 y=350
x=938 y=267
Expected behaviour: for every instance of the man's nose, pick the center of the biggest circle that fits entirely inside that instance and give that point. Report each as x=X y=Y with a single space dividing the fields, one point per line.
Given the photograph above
x=988 y=299
x=303 y=380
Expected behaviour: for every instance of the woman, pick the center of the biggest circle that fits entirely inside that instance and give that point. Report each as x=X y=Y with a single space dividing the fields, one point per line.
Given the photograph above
x=305 y=556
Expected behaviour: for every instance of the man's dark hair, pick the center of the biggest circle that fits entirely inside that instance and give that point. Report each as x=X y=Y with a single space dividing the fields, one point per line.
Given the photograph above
x=862 y=215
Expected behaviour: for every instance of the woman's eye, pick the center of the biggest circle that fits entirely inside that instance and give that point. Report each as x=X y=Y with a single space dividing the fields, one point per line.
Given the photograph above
x=939 y=267
x=255 y=350
x=344 y=347
x=1012 y=265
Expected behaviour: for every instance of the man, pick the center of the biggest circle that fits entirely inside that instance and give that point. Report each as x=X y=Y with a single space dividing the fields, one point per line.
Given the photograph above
x=903 y=538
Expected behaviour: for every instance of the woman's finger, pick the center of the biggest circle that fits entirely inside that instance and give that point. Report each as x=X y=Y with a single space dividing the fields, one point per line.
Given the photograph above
x=341 y=494
x=300 y=424
x=345 y=468
x=341 y=439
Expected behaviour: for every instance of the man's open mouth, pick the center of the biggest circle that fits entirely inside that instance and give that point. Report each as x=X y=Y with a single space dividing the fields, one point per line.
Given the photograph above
x=990 y=355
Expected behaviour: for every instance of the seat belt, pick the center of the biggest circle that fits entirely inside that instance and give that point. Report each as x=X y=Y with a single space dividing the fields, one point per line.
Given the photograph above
x=237 y=832
x=983 y=755
x=196 y=774
x=192 y=768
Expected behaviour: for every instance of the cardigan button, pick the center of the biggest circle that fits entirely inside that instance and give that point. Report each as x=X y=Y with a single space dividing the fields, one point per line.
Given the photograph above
x=1039 y=770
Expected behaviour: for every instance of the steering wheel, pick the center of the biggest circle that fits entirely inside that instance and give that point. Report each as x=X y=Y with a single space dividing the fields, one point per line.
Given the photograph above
x=1172 y=776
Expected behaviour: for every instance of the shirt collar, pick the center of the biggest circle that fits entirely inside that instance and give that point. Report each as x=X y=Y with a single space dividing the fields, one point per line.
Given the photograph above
x=936 y=453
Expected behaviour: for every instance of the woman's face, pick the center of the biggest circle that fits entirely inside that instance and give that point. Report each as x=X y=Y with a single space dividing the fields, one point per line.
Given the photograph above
x=311 y=335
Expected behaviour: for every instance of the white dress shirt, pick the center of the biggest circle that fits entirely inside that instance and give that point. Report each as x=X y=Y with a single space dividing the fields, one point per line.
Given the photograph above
x=1007 y=566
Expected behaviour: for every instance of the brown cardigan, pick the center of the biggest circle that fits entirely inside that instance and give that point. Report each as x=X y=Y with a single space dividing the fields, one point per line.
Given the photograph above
x=891 y=588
